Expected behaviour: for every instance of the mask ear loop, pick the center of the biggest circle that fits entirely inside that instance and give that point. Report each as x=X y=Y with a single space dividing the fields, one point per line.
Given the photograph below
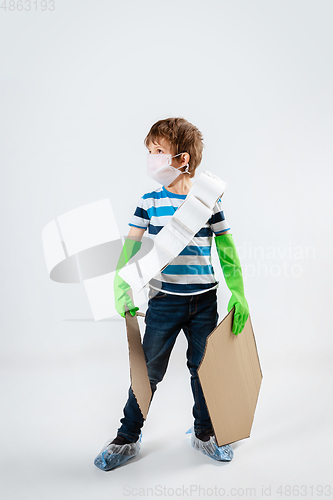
x=186 y=171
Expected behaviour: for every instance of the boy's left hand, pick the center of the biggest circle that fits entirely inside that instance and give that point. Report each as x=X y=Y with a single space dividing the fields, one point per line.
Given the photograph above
x=232 y=271
x=241 y=312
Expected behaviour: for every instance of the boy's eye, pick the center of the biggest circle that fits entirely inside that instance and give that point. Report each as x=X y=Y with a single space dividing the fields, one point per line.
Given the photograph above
x=159 y=151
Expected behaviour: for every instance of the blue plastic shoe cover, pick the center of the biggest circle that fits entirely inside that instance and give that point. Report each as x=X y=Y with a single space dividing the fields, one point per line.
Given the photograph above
x=211 y=449
x=113 y=455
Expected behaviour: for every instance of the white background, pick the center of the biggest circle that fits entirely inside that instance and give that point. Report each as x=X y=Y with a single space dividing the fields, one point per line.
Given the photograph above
x=80 y=88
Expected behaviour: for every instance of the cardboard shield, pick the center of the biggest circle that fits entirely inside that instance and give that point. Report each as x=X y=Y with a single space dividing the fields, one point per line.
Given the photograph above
x=230 y=377
x=138 y=368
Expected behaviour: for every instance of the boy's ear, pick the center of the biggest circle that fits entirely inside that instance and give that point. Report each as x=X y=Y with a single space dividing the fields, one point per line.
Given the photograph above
x=184 y=159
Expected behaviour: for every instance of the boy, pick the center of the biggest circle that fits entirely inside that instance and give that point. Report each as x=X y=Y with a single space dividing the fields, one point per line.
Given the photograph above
x=183 y=295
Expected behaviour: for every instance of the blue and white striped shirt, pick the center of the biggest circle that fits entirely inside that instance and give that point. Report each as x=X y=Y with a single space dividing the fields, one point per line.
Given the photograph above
x=191 y=272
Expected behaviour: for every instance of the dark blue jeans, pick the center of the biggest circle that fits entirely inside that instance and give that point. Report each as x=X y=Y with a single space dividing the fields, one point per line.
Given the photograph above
x=166 y=315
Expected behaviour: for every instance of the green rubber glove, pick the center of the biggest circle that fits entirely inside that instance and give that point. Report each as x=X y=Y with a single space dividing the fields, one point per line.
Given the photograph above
x=123 y=301
x=232 y=271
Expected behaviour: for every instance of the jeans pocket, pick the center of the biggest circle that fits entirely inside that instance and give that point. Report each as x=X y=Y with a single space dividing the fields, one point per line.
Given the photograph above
x=153 y=294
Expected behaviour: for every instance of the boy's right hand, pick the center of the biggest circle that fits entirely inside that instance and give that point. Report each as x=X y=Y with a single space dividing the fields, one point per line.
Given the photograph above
x=123 y=301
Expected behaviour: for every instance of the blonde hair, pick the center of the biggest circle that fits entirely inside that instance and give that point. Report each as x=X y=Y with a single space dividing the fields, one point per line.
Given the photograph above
x=182 y=137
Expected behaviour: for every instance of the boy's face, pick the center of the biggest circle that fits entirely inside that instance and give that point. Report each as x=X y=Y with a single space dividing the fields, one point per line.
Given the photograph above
x=162 y=146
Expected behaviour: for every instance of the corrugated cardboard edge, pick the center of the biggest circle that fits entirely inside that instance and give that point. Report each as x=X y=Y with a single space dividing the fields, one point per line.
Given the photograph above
x=138 y=368
x=202 y=360
x=255 y=343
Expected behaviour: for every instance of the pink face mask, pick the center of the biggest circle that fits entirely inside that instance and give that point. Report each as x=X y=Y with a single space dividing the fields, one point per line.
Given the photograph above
x=160 y=169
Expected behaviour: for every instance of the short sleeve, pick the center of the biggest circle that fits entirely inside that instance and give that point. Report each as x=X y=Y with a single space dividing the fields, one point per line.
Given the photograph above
x=217 y=221
x=140 y=218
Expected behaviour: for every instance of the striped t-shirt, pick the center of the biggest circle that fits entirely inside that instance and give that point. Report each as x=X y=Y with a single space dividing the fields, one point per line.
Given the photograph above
x=191 y=272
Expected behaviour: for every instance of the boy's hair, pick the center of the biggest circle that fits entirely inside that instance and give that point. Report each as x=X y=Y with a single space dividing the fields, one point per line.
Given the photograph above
x=182 y=136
